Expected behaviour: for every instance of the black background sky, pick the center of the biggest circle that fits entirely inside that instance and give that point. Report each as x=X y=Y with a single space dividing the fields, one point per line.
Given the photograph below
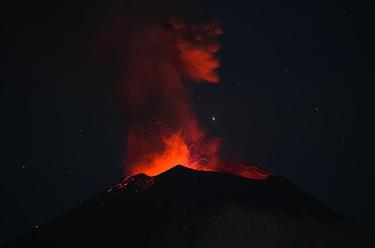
x=295 y=98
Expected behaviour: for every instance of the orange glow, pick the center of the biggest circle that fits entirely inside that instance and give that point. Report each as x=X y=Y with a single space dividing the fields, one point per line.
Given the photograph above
x=198 y=53
x=177 y=152
x=156 y=61
x=200 y=155
x=244 y=170
x=188 y=148
x=163 y=129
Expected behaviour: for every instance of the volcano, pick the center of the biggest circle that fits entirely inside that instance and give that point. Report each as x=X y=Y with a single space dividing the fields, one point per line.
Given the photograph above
x=188 y=208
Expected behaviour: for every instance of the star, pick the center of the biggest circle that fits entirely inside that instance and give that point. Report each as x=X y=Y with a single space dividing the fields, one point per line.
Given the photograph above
x=213 y=118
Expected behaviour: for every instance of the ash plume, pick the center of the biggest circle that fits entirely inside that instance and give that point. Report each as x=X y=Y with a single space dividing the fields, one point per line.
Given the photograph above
x=158 y=50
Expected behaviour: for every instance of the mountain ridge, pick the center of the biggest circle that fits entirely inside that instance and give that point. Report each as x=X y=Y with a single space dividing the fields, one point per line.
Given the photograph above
x=189 y=208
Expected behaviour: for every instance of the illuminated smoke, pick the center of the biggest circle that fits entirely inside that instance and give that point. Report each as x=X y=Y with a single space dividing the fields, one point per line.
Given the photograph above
x=164 y=131
x=157 y=56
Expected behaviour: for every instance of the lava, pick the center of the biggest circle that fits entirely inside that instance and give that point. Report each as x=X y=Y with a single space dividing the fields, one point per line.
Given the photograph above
x=198 y=156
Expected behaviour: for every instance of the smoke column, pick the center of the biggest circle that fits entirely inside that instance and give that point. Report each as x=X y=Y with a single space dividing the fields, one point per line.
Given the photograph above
x=158 y=52
x=157 y=56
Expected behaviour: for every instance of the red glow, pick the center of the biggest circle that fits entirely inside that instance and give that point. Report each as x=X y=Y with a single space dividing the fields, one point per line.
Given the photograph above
x=189 y=149
x=197 y=46
x=187 y=146
x=244 y=170
x=156 y=61
x=164 y=131
x=176 y=151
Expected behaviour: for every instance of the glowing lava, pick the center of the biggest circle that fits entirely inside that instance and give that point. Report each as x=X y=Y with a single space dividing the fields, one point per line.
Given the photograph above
x=185 y=147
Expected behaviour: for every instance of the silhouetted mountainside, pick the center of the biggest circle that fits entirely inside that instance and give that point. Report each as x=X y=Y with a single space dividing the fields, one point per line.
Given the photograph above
x=188 y=208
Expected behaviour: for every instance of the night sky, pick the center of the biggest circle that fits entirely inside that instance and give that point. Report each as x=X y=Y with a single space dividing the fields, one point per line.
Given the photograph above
x=295 y=98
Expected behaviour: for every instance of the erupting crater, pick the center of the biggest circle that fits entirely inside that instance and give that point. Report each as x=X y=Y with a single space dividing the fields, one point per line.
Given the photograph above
x=236 y=168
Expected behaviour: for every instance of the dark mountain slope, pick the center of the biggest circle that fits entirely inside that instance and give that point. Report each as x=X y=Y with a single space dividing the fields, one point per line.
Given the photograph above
x=188 y=208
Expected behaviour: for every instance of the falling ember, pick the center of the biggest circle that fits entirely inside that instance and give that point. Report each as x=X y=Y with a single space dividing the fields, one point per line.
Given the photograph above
x=158 y=57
